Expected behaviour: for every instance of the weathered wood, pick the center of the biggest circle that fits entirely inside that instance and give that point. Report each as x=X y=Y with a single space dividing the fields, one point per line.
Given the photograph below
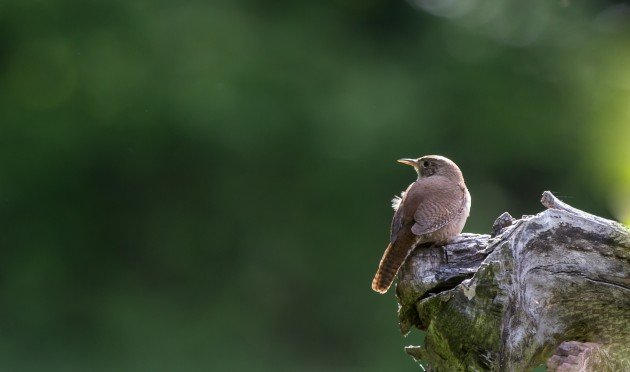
x=506 y=302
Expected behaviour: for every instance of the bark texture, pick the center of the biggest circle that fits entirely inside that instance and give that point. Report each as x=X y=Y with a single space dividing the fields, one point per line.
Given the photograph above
x=552 y=288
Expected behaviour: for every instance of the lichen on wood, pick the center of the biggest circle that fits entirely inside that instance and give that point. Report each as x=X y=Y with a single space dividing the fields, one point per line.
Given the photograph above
x=508 y=301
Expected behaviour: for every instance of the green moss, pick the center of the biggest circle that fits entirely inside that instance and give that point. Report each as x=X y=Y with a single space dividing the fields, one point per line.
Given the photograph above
x=457 y=340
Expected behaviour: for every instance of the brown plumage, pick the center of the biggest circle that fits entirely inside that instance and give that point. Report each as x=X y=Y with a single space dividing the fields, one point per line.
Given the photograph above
x=433 y=209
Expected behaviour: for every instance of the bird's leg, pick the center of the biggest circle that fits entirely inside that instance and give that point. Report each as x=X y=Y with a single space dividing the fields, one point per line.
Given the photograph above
x=443 y=249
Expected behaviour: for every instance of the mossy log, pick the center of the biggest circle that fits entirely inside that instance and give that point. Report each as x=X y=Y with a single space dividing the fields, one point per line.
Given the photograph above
x=552 y=288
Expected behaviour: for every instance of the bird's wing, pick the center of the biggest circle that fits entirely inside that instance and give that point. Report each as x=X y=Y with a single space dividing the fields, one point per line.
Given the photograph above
x=446 y=203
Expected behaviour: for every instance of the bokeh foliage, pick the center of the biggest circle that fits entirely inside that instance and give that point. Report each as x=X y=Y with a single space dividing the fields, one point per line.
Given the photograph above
x=190 y=185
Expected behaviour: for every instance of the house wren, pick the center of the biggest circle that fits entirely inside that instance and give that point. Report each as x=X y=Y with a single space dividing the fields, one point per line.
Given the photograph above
x=433 y=209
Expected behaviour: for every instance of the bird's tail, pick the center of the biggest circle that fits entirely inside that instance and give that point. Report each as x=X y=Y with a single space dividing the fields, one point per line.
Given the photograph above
x=392 y=260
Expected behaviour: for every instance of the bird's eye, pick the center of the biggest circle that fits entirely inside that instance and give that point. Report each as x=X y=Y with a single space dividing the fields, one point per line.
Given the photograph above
x=425 y=163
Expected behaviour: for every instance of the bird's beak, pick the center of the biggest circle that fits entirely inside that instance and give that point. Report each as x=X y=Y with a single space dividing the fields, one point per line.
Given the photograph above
x=412 y=162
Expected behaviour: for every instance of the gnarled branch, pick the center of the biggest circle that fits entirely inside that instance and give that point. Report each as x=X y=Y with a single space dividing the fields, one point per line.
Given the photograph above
x=525 y=295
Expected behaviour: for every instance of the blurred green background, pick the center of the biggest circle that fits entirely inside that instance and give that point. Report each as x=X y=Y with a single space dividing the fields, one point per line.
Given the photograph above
x=194 y=186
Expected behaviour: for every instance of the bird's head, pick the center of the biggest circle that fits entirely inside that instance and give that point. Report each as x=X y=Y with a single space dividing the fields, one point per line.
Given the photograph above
x=434 y=165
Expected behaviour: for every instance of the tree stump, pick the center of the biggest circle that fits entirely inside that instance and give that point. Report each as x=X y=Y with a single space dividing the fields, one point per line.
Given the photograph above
x=552 y=288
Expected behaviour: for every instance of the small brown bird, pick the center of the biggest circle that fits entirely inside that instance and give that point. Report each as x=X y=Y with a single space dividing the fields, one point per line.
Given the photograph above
x=433 y=209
